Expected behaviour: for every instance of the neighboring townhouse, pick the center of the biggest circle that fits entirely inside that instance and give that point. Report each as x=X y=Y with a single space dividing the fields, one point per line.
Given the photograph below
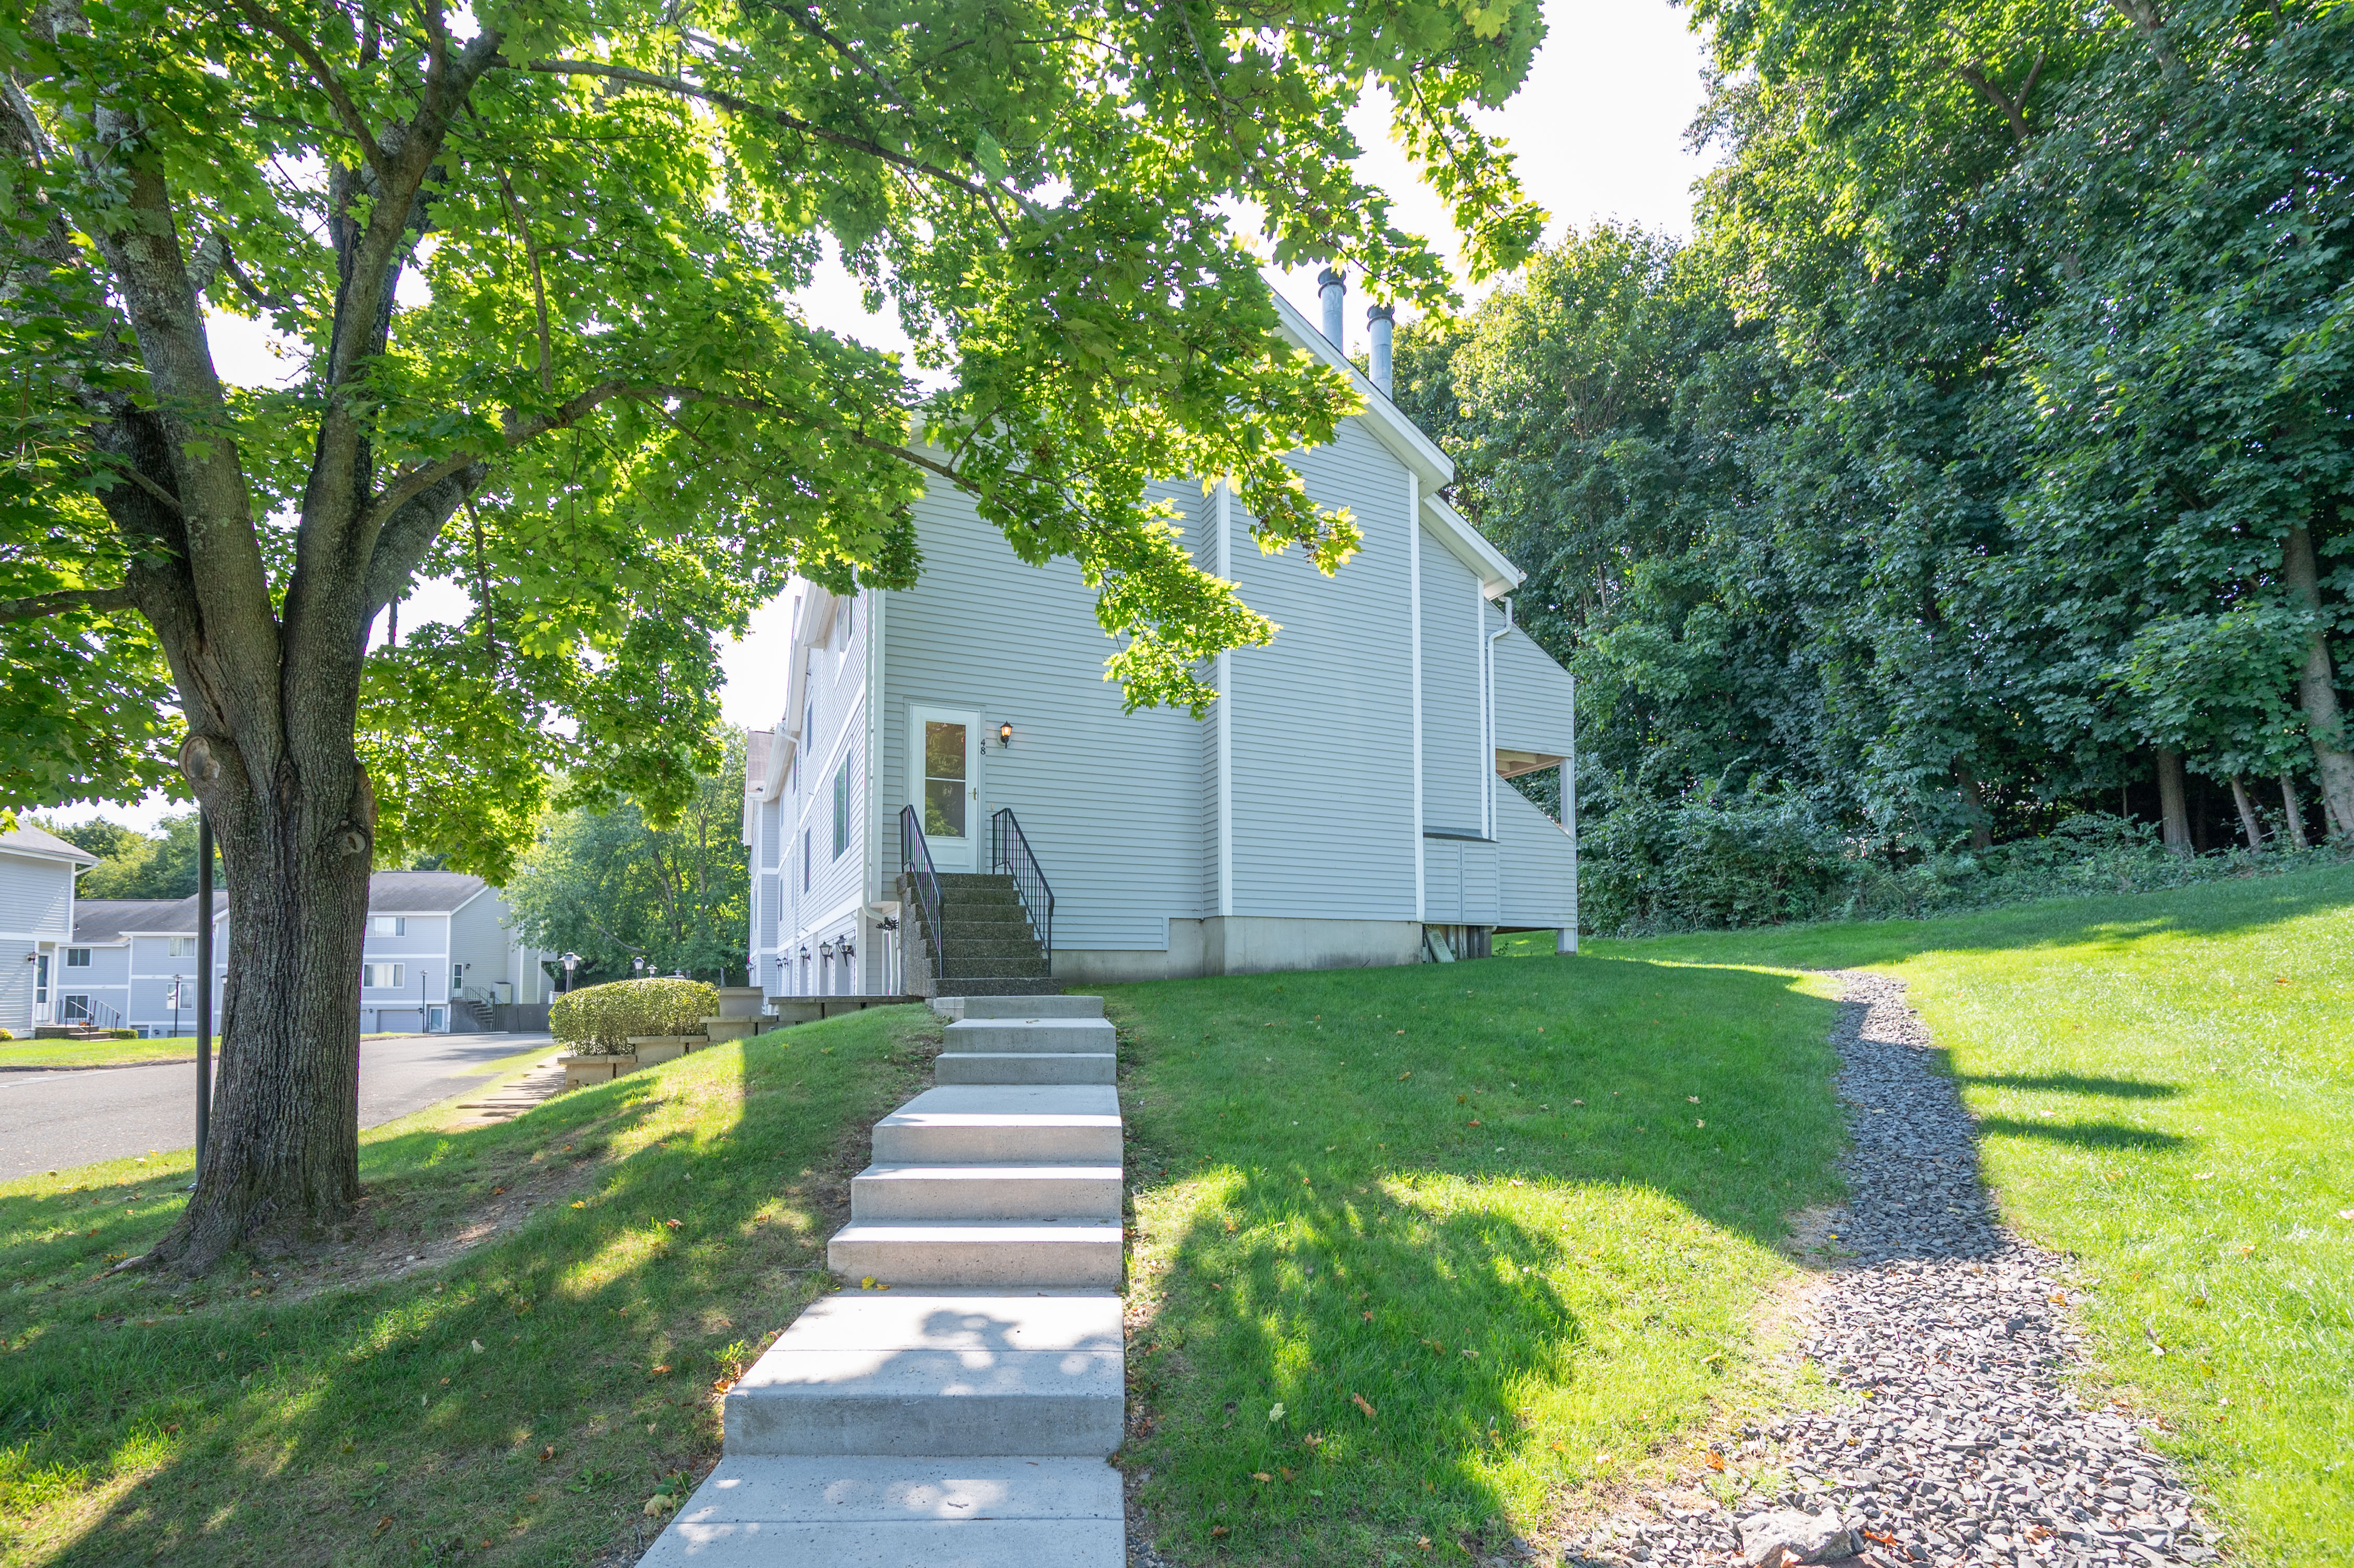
x=1345 y=802
x=133 y=964
x=437 y=957
x=36 y=914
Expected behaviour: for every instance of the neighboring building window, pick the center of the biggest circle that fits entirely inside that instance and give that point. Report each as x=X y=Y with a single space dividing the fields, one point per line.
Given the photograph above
x=384 y=977
x=77 y=958
x=184 y=946
x=805 y=860
x=388 y=925
x=77 y=1007
x=41 y=981
x=841 y=809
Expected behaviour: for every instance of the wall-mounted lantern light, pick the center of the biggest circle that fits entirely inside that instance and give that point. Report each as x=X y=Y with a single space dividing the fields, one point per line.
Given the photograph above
x=847 y=950
x=1004 y=736
x=826 y=949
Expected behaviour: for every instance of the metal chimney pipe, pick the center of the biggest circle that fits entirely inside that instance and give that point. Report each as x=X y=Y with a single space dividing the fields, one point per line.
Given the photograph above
x=1332 y=287
x=1380 y=324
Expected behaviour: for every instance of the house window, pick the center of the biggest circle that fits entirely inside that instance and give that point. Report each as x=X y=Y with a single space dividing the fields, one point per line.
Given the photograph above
x=77 y=1007
x=41 y=981
x=77 y=958
x=841 y=809
x=805 y=860
x=384 y=977
x=388 y=925
x=184 y=946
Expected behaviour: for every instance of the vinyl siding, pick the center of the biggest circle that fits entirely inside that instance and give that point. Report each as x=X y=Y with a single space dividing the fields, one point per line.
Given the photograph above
x=15 y=986
x=1455 y=763
x=479 y=940
x=836 y=740
x=35 y=898
x=1536 y=700
x=1110 y=801
x=1538 y=864
x=1322 y=753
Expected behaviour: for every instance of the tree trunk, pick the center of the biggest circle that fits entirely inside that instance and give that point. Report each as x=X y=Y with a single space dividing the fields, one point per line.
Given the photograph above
x=2318 y=685
x=2173 y=814
x=283 y=1158
x=1973 y=796
x=2295 y=809
x=2249 y=823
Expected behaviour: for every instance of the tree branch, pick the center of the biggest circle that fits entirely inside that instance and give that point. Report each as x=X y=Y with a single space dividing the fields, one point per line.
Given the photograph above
x=721 y=98
x=2014 y=110
x=323 y=74
x=60 y=602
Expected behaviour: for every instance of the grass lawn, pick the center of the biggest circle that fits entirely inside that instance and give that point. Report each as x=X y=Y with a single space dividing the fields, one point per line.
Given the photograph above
x=517 y=1403
x=2166 y=1088
x=1394 y=1289
x=95 y=1053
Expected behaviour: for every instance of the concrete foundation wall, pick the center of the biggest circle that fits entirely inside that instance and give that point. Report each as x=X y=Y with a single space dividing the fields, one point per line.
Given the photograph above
x=1246 y=945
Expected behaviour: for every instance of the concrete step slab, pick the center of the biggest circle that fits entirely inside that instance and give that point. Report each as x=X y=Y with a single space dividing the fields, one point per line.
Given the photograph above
x=1026 y=1006
x=917 y=1192
x=872 y=1489
x=914 y=1402
x=1041 y=1033
x=1025 y=1067
x=957 y=1321
x=983 y=1543
x=980 y=1252
x=961 y=1124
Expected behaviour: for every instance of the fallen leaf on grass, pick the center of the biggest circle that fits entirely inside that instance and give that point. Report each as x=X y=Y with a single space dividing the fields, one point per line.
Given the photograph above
x=1359 y=1401
x=1402 y=1078
x=661 y=1371
x=547 y=1453
x=1261 y=1475
x=657 y=1505
x=1423 y=1541
x=1369 y=1317
x=1473 y=1122
x=381 y=1526
x=1715 y=1461
x=674 y=1224
x=2345 y=1213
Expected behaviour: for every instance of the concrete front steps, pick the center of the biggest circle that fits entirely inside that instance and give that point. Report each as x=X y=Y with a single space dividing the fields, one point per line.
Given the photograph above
x=962 y=1419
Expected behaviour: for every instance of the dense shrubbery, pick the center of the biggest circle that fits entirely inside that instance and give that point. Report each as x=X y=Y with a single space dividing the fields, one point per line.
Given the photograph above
x=1707 y=862
x=600 y=1020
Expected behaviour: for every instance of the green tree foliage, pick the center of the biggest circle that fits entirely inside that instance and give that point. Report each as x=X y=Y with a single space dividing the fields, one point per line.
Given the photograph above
x=132 y=864
x=611 y=887
x=531 y=265
x=1989 y=442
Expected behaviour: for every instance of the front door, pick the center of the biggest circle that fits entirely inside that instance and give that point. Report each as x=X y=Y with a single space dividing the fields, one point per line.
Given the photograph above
x=944 y=783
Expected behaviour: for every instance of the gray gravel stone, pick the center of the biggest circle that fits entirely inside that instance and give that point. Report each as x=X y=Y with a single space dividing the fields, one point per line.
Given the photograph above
x=1966 y=1445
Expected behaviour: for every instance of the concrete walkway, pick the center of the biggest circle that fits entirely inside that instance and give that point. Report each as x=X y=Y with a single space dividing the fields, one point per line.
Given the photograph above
x=963 y=1418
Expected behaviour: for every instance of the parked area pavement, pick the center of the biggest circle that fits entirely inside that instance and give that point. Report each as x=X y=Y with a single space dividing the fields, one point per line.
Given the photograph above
x=1957 y=1438
x=52 y=1120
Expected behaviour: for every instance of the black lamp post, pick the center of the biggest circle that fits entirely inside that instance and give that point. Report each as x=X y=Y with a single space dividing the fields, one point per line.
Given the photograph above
x=571 y=962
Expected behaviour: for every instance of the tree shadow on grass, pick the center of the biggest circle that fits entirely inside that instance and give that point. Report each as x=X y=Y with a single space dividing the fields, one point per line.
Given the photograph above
x=1573 y=1169
x=2074 y=1084
x=2082 y=1134
x=527 y=1395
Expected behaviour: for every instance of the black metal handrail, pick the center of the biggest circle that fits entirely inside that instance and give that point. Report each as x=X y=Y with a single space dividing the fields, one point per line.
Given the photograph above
x=916 y=861
x=1009 y=850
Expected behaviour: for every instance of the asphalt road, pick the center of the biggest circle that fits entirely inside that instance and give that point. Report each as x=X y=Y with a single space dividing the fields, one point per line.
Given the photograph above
x=51 y=1120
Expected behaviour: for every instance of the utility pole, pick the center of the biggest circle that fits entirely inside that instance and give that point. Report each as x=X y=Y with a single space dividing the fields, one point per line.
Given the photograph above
x=204 y=985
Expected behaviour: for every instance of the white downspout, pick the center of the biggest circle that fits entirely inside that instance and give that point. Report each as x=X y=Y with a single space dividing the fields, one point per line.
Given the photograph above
x=1487 y=677
x=1225 y=714
x=1413 y=617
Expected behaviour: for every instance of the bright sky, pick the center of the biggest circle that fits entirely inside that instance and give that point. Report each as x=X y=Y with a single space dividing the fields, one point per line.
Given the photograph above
x=1599 y=132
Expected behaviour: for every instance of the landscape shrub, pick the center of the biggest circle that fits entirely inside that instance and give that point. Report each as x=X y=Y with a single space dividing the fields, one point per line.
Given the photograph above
x=1707 y=862
x=599 y=1020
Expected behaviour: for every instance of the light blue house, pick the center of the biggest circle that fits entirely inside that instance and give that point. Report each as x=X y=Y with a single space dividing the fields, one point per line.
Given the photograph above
x=36 y=920
x=438 y=956
x=1344 y=802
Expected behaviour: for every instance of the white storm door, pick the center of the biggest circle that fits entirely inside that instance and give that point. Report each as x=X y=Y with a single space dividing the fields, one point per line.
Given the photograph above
x=944 y=783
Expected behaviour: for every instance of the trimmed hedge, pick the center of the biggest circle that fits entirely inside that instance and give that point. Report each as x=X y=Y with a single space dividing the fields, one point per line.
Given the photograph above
x=599 y=1021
